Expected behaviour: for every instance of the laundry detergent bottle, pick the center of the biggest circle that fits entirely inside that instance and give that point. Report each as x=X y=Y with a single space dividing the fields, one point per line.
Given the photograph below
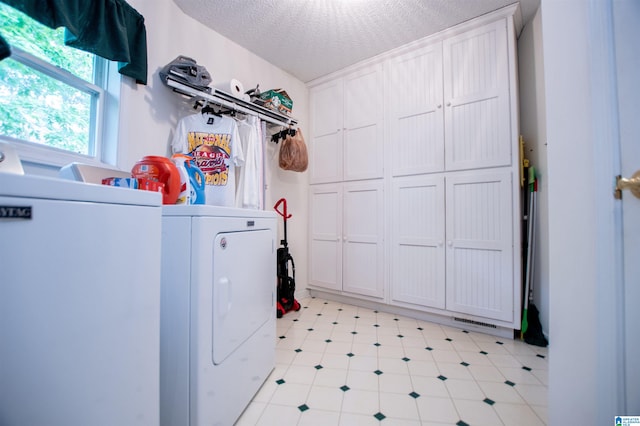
x=161 y=170
x=181 y=160
x=196 y=178
x=191 y=180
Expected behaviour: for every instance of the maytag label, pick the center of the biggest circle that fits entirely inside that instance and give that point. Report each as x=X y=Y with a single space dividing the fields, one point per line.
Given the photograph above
x=15 y=212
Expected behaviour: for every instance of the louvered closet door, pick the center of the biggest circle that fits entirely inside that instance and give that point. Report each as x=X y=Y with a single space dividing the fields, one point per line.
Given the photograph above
x=416 y=123
x=363 y=238
x=476 y=94
x=325 y=147
x=479 y=253
x=418 y=235
x=363 y=130
x=325 y=228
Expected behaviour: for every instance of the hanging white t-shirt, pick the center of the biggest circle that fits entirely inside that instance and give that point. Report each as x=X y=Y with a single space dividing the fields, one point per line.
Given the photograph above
x=250 y=177
x=214 y=142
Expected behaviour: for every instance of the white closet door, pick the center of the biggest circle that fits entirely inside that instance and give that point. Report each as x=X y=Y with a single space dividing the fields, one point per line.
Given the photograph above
x=480 y=244
x=416 y=123
x=325 y=228
x=363 y=130
x=476 y=94
x=325 y=147
x=418 y=254
x=363 y=238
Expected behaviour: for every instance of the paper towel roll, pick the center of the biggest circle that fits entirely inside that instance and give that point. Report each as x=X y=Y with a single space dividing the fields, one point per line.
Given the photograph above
x=233 y=87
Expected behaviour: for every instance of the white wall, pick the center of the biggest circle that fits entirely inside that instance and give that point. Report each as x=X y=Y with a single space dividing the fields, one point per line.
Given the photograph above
x=533 y=128
x=150 y=113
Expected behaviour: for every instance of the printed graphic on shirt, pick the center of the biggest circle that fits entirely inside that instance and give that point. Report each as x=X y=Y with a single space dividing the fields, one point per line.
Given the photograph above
x=212 y=152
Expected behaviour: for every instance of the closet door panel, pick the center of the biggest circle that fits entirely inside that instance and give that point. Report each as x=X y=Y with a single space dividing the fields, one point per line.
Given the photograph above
x=363 y=238
x=476 y=93
x=479 y=254
x=416 y=144
x=326 y=108
x=325 y=239
x=325 y=163
x=361 y=155
x=363 y=97
x=418 y=255
x=363 y=130
x=416 y=129
x=325 y=146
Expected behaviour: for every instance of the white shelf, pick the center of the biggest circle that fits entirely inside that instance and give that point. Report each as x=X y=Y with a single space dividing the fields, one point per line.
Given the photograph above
x=226 y=100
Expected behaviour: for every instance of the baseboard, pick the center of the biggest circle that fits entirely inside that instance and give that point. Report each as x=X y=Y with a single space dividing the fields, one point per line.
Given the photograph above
x=453 y=320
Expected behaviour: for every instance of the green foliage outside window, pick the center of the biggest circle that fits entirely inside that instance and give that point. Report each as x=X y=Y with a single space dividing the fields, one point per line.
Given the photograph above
x=41 y=108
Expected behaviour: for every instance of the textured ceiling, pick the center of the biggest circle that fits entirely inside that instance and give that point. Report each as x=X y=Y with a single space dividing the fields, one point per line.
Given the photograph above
x=312 y=38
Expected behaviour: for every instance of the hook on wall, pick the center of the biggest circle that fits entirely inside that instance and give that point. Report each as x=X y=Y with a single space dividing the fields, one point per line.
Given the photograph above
x=283 y=135
x=209 y=109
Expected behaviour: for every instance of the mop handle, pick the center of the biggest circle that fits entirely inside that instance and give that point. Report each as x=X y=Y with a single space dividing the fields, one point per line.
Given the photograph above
x=284 y=212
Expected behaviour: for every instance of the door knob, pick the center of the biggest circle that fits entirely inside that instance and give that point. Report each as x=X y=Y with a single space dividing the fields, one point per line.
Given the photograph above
x=632 y=184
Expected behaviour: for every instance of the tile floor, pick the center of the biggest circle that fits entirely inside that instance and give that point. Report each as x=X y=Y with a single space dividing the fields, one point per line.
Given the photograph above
x=339 y=364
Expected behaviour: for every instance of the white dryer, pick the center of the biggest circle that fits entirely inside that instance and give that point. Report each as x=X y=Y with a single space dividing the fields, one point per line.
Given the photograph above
x=217 y=339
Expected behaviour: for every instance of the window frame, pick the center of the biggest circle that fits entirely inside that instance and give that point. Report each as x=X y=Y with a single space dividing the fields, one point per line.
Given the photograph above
x=105 y=94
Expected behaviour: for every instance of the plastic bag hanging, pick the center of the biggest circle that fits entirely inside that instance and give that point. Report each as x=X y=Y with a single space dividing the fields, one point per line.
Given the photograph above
x=293 y=153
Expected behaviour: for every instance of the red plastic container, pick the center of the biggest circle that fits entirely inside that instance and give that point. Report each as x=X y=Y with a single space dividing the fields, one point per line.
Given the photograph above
x=159 y=169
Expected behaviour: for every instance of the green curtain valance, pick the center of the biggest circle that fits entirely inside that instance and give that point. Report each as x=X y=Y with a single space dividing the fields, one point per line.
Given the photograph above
x=111 y=29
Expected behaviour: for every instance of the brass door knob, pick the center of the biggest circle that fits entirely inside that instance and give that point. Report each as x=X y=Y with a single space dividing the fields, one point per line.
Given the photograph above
x=632 y=184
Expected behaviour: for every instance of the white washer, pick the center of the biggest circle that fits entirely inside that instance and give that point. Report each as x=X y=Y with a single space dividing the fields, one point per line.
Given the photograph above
x=79 y=303
x=218 y=312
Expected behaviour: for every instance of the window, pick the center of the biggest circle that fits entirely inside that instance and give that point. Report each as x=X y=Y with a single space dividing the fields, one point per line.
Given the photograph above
x=53 y=98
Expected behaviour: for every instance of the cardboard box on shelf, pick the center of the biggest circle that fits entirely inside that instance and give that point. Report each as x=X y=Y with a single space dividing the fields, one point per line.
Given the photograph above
x=278 y=100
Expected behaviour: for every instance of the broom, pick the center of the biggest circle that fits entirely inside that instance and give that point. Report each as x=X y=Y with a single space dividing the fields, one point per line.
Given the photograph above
x=528 y=294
